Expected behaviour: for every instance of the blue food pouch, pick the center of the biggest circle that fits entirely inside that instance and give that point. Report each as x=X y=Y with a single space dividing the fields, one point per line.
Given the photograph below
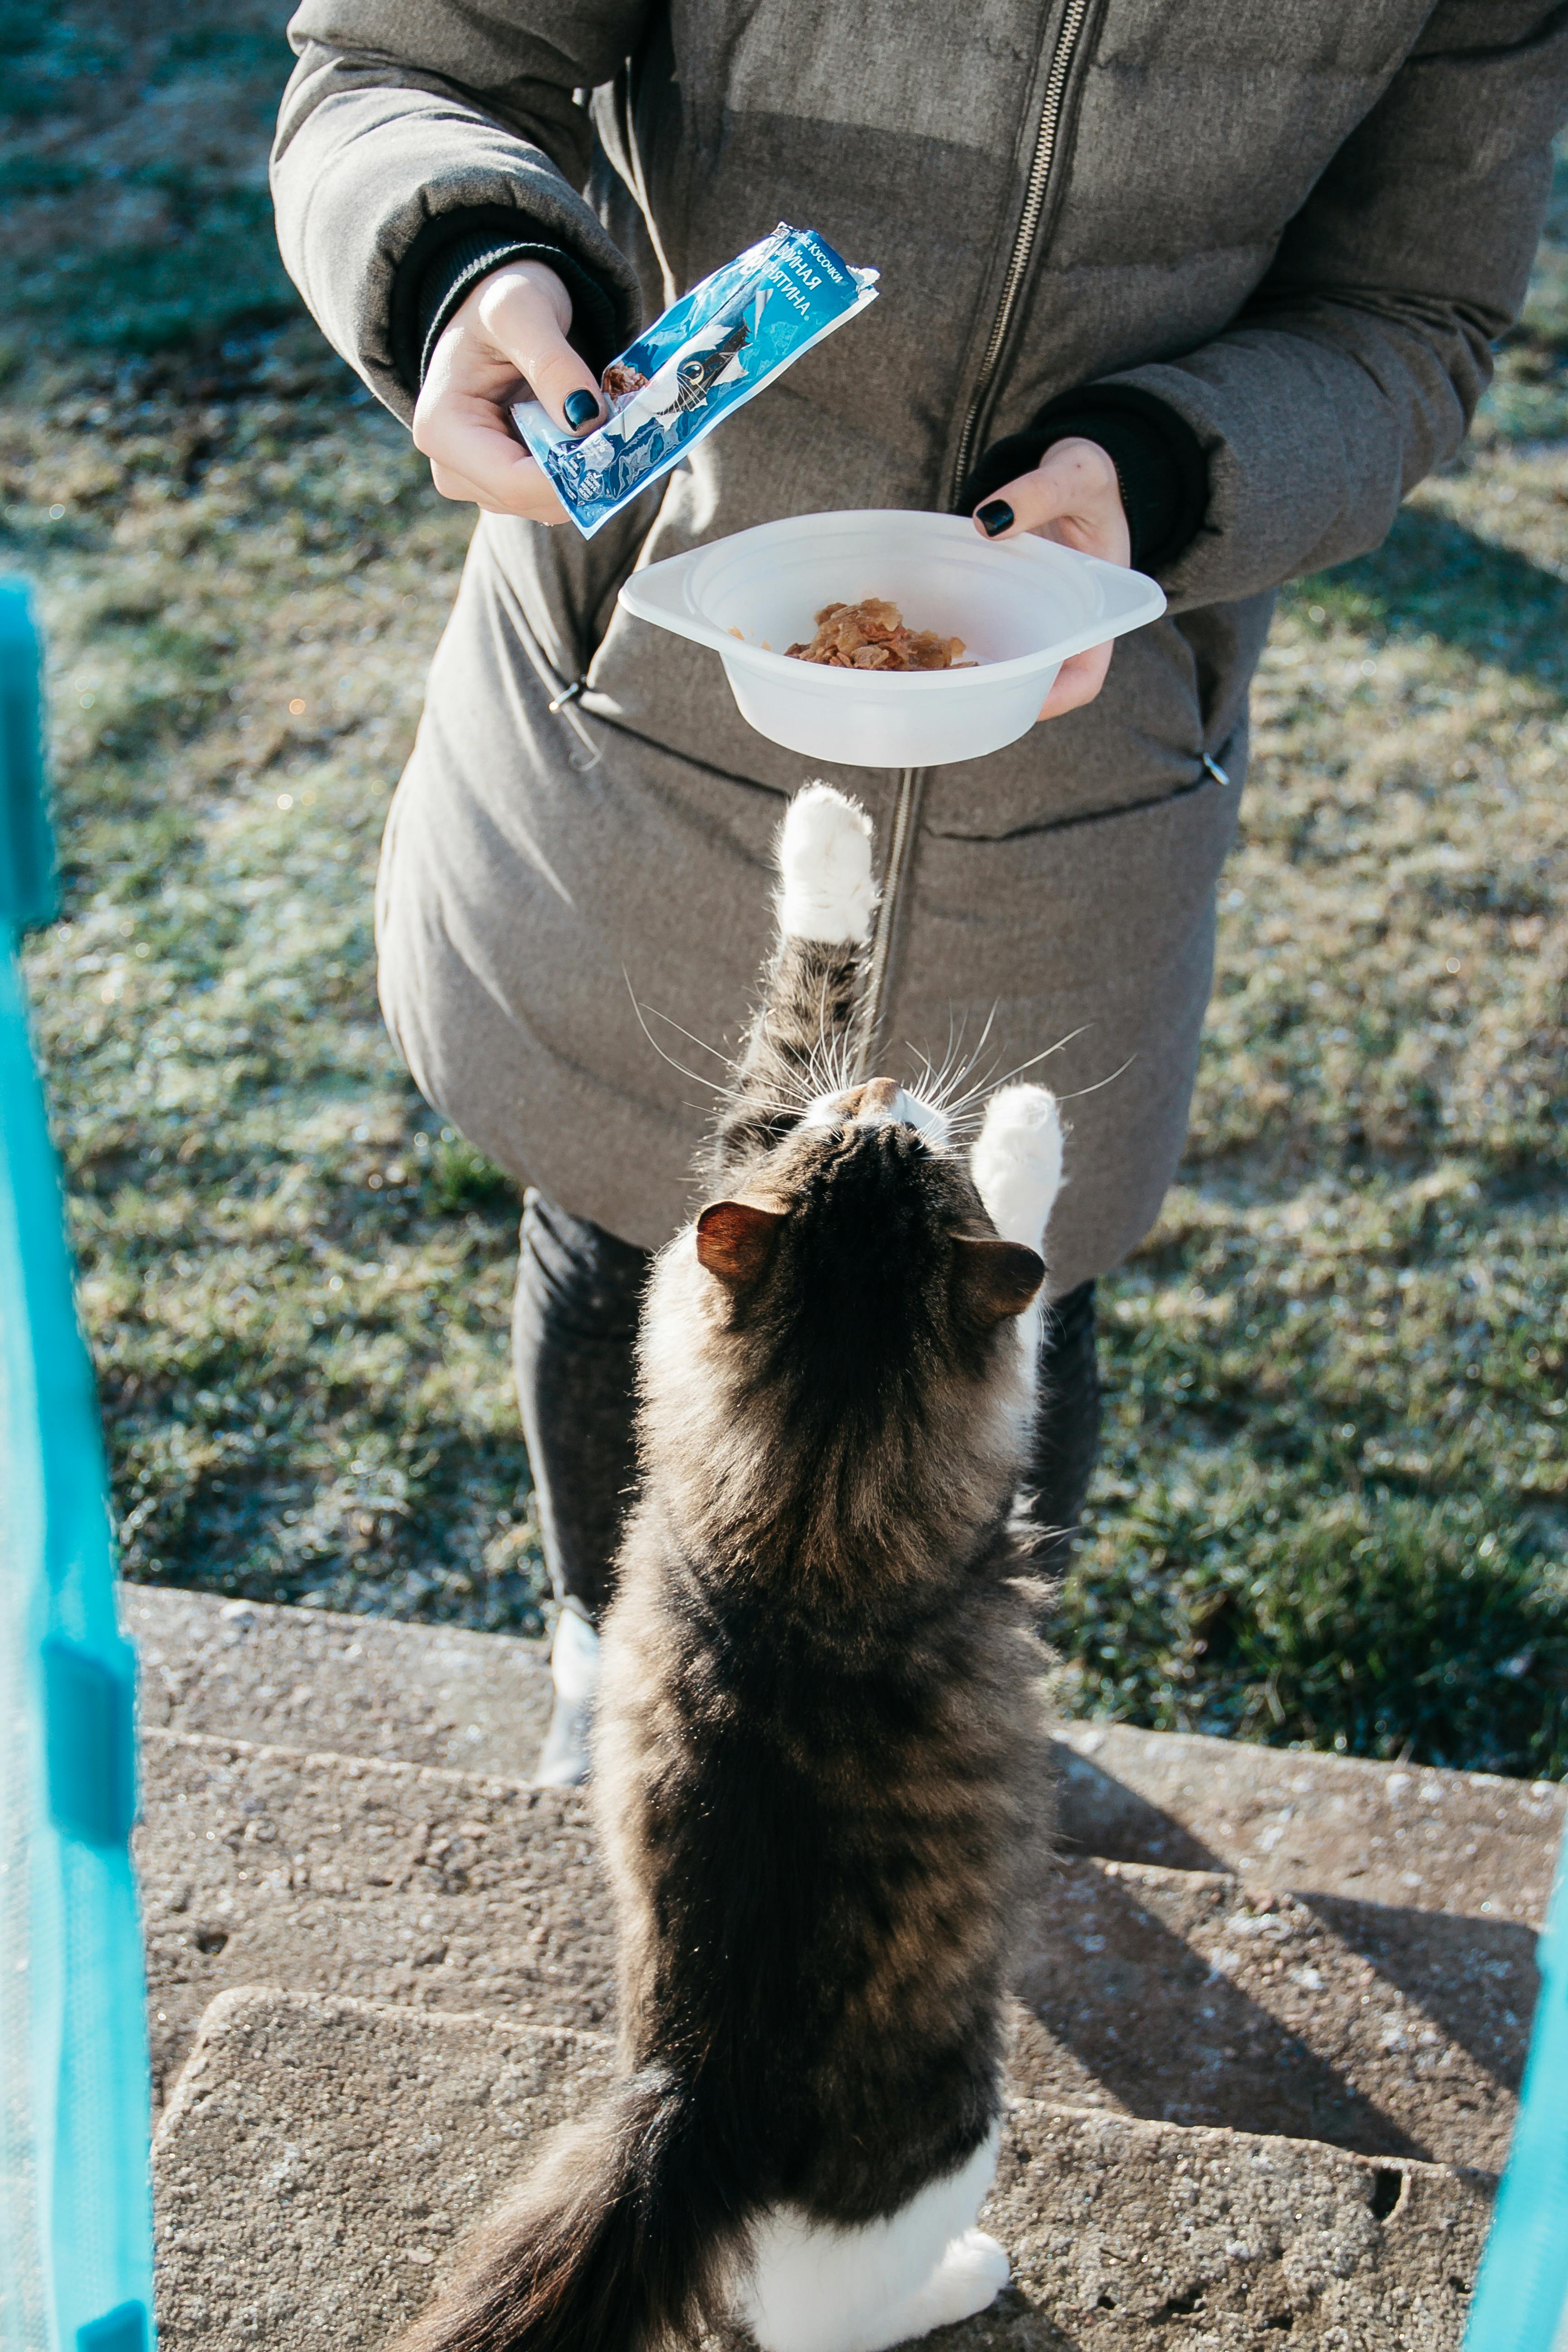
x=709 y=352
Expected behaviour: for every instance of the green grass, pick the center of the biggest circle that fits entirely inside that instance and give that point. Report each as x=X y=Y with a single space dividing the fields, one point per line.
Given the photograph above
x=296 y=1279
x=1334 y=1507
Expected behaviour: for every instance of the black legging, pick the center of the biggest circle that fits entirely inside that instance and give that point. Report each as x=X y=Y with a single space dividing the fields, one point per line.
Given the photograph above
x=573 y=1329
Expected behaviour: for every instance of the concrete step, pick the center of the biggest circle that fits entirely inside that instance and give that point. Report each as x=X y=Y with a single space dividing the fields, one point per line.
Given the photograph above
x=1197 y=1997
x=1166 y=1994
x=355 y=1686
x=331 y=1874
x=323 y=2157
x=1466 y=1842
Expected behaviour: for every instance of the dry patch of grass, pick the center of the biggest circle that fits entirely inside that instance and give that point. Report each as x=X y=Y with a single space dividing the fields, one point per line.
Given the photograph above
x=1334 y=1503
x=296 y=1279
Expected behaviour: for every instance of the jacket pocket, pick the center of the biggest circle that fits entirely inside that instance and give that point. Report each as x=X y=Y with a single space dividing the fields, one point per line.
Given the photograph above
x=1212 y=775
x=565 y=586
x=1097 y=900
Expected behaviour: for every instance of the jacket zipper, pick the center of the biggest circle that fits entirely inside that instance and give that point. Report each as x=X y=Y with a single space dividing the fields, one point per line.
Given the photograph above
x=912 y=780
x=900 y=858
x=1028 y=228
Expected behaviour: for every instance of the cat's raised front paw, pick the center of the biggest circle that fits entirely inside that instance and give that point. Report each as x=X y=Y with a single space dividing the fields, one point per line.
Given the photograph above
x=1017 y=1162
x=825 y=859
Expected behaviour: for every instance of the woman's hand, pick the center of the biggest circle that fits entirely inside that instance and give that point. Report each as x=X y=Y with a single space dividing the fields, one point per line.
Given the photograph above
x=1072 y=495
x=508 y=339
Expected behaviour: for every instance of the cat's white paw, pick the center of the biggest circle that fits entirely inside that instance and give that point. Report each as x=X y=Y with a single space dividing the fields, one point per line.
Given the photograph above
x=972 y=2272
x=1017 y=1162
x=814 y=2288
x=825 y=859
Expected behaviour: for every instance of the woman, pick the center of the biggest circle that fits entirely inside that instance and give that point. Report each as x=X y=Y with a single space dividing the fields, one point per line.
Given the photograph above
x=1206 y=287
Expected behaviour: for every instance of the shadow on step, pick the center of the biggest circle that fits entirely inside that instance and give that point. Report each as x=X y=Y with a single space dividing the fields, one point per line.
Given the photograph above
x=1190 y=1999
x=1097 y=1813
x=1475 y=1979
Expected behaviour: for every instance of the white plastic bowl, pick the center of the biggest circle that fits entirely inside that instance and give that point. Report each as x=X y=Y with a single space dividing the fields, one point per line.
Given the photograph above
x=1020 y=608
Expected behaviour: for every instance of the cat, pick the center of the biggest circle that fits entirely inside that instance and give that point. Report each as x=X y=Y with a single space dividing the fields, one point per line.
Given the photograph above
x=820 y=1773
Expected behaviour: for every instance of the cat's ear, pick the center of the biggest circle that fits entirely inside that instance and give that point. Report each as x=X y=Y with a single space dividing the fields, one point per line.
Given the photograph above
x=996 y=1277
x=735 y=1240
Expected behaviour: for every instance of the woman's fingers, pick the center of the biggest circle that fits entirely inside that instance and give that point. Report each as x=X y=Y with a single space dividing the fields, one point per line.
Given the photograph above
x=471 y=446
x=508 y=340
x=1072 y=495
x=1078 y=681
x=535 y=501
x=525 y=311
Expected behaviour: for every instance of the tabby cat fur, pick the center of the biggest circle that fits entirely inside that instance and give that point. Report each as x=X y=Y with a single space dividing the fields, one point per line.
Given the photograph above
x=820 y=1777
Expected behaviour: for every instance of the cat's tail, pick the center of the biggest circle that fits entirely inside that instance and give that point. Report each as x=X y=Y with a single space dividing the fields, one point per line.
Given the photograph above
x=628 y=2234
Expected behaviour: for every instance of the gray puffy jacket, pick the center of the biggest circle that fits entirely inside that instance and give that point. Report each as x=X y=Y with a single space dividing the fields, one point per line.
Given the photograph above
x=1297 y=224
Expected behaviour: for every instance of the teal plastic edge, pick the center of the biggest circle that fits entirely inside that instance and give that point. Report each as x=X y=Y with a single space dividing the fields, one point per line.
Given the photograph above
x=1521 y=2302
x=124 y=2330
x=27 y=889
x=76 y=2220
x=89 y=1745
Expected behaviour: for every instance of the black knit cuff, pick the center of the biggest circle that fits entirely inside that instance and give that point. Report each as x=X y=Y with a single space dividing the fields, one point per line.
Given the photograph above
x=446 y=261
x=1158 y=461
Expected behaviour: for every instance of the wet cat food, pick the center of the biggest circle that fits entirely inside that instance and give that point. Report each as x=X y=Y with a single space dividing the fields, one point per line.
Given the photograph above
x=871 y=635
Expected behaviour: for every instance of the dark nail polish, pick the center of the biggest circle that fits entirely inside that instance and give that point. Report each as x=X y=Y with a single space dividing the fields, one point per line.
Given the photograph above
x=995 y=517
x=582 y=408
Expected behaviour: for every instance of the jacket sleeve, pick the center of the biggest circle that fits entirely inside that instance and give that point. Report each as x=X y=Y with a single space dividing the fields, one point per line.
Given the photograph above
x=403 y=116
x=1356 y=367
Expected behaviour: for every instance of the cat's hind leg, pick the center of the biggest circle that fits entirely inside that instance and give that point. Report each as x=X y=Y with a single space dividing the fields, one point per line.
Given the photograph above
x=817 y=2289
x=971 y=2275
x=826 y=889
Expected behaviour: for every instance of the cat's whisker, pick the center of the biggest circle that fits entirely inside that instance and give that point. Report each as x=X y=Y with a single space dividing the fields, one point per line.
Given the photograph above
x=974 y=1089
x=817 y=1064
x=822 y=1062
x=930 y=1076
x=1094 y=1089
x=994 y=1086
x=715 y=1086
x=717 y=1052
x=963 y=1070
x=830 y=1058
x=933 y=1077
x=771 y=1111
x=785 y=1082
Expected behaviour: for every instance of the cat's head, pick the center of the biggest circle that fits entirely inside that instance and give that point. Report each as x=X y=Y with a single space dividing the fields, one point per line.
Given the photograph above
x=845 y=1328
x=862 y=1229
